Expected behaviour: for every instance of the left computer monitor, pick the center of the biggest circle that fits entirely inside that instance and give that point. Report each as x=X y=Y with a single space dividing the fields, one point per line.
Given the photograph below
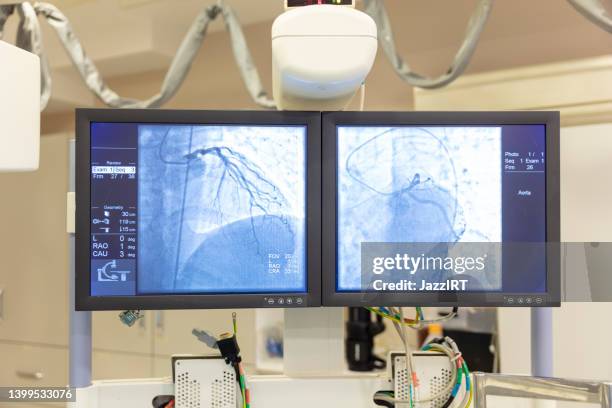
x=197 y=209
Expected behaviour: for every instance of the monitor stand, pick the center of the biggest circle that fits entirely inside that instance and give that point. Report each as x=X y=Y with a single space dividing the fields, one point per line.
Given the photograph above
x=313 y=342
x=80 y=357
x=542 y=342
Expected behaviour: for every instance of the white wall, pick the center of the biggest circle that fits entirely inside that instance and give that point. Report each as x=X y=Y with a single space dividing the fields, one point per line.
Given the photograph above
x=586 y=215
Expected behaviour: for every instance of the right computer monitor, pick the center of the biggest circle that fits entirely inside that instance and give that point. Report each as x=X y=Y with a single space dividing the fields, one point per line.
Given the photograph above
x=441 y=208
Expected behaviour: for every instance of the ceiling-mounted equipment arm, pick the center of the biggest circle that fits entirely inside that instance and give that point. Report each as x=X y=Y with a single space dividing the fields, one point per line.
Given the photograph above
x=5 y=13
x=30 y=38
x=595 y=11
x=376 y=9
x=179 y=68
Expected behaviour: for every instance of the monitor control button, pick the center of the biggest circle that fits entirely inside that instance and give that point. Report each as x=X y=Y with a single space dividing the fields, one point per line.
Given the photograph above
x=510 y=300
x=289 y=301
x=520 y=301
x=538 y=300
x=528 y=300
x=270 y=301
x=299 y=301
x=281 y=301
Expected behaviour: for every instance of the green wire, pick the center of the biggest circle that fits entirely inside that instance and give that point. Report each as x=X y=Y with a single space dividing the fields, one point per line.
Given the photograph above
x=242 y=390
x=411 y=396
x=241 y=378
x=420 y=312
x=460 y=373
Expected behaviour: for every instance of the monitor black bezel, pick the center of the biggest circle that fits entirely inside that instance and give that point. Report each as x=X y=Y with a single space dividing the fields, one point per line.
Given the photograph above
x=330 y=121
x=84 y=118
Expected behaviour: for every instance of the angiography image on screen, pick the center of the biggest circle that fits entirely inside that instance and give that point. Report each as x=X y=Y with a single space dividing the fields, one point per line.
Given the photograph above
x=411 y=184
x=221 y=209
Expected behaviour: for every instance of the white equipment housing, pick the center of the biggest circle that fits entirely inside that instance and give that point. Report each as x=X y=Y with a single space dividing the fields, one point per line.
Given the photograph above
x=204 y=381
x=321 y=55
x=19 y=109
x=434 y=372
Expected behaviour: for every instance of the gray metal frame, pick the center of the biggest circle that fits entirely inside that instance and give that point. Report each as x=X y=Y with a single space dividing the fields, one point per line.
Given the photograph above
x=556 y=389
x=80 y=355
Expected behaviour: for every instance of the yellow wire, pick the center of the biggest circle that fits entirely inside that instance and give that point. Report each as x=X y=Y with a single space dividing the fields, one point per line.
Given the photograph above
x=471 y=396
x=386 y=316
x=395 y=319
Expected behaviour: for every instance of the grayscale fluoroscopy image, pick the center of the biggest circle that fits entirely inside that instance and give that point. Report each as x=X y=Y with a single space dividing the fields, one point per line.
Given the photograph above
x=417 y=184
x=222 y=209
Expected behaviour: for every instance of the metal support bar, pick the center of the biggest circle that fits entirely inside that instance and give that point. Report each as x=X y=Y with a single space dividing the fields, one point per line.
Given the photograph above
x=80 y=322
x=556 y=389
x=541 y=342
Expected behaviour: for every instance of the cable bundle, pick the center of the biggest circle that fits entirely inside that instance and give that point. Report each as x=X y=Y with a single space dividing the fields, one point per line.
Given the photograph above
x=230 y=351
x=395 y=315
x=459 y=370
x=240 y=372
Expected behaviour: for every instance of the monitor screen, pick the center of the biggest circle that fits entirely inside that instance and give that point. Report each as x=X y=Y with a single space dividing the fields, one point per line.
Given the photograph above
x=439 y=208
x=198 y=209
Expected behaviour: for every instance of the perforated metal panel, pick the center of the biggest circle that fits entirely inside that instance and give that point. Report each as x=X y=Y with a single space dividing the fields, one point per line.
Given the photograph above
x=204 y=383
x=437 y=384
x=187 y=390
x=224 y=390
x=433 y=372
x=401 y=381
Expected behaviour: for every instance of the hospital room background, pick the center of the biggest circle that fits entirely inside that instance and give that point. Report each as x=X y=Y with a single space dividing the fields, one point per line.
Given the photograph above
x=532 y=55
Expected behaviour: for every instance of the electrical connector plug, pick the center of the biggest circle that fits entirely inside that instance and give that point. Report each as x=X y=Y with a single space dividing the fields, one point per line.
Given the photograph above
x=130 y=317
x=228 y=346
x=206 y=338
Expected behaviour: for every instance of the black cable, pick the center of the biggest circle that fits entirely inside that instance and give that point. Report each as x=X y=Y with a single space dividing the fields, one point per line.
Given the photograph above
x=230 y=351
x=381 y=402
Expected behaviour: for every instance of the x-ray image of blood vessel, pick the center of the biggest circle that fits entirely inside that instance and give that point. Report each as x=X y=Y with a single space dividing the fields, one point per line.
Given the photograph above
x=222 y=209
x=417 y=185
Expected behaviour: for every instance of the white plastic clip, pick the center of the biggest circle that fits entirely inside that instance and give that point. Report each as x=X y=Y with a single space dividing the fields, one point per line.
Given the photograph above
x=457 y=357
